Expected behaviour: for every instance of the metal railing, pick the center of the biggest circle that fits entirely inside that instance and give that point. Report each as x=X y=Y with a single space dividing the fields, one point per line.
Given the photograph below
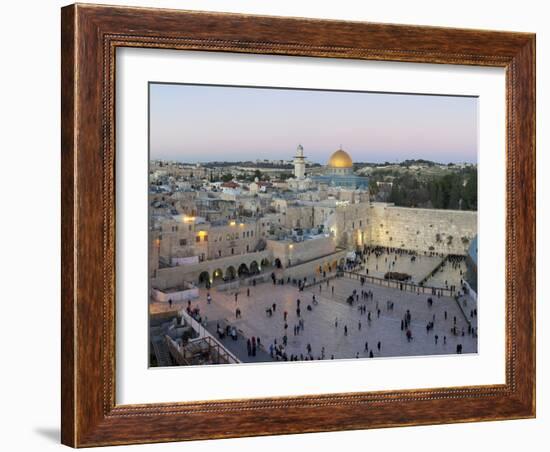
x=401 y=285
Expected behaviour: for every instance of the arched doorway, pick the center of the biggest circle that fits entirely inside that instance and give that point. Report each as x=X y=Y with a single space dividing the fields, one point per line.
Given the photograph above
x=254 y=270
x=217 y=276
x=243 y=271
x=204 y=278
x=230 y=273
x=278 y=263
x=265 y=264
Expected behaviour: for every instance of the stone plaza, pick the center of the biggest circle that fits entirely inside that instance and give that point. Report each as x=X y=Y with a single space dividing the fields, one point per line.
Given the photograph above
x=324 y=326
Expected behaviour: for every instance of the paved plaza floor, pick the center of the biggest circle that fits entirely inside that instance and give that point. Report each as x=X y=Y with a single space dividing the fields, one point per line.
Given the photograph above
x=319 y=323
x=418 y=268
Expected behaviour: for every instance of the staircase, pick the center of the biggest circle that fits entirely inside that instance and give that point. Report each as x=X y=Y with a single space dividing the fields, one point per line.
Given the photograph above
x=162 y=354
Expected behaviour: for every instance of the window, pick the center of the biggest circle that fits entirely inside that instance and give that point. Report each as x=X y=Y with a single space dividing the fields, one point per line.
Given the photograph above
x=219 y=253
x=183 y=242
x=197 y=239
x=232 y=250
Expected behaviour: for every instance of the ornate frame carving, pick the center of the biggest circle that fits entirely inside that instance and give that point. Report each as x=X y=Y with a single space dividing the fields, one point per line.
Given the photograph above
x=90 y=36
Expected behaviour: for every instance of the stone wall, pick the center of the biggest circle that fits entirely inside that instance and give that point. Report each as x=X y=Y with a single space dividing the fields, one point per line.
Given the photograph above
x=442 y=231
x=216 y=269
x=294 y=253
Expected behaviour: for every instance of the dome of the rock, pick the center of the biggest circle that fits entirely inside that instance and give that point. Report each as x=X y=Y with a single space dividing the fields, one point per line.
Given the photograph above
x=340 y=159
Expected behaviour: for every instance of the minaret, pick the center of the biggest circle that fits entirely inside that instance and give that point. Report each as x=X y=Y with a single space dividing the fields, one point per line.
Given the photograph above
x=299 y=163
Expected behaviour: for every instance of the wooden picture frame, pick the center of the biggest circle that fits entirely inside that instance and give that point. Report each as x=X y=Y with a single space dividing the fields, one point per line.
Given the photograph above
x=90 y=35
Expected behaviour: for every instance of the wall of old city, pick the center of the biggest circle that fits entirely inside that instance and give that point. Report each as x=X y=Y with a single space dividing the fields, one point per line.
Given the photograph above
x=443 y=231
x=349 y=224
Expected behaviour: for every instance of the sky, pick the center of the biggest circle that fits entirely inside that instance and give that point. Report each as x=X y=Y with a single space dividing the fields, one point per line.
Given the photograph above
x=201 y=123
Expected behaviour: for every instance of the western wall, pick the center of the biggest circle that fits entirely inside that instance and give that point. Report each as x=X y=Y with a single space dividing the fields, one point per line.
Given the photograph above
x=441 y=231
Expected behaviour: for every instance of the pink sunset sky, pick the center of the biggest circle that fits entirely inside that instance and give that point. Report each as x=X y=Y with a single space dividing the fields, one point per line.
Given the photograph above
x=201 y=123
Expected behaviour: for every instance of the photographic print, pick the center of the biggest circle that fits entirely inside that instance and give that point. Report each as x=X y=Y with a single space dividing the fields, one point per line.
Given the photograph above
x=292 y=225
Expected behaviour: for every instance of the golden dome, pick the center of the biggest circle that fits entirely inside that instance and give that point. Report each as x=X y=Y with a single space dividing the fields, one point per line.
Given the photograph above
x=340 y=159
